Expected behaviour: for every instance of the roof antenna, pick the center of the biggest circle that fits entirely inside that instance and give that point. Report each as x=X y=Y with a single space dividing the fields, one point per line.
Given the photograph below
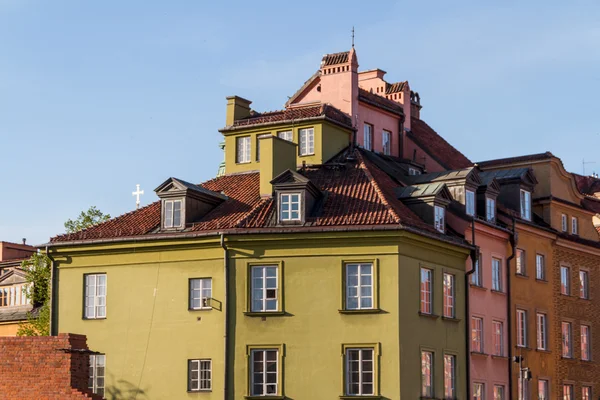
x=353 y=37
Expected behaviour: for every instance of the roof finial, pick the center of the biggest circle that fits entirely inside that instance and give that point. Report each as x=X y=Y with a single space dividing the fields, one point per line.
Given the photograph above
x=353 y=37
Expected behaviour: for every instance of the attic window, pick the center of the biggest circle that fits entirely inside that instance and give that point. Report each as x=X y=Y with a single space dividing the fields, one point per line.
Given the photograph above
x=525 y=205
x=289 y=207
x=490 y=209
x=470 y=202
x=413 y=171
x=172 y=214
x=440 y=219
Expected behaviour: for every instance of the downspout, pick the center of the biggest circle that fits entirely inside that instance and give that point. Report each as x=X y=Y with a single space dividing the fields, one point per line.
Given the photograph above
x=226 y=324
x=467 y=313
x=52 y=307
x=401 y=137
x=513 y=244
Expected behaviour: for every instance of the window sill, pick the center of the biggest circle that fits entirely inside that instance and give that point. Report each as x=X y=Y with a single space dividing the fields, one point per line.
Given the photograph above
x=306 y=155
x=478 y=354
x=361 y=397
x=432 y=316
x=200 y=309
x=363 y=311
x=524 y=347
x=93 y=319
x=498 y=292
x=451 y=319
x=543 y=351
x=497 y=357
x=265 y=314
x=242 y=163
x=199 y=391
x=275 y=397
x=568 y=358
x=478 y=287
x=541 y=280
x=522 y=276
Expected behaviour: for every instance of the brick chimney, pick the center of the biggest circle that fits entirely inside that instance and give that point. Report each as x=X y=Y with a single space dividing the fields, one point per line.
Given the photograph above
x=237 y=108
x=339 y=81
x=276 y=156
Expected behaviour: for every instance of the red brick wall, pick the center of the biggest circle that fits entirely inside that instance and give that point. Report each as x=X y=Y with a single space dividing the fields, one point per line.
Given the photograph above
x=44 y=367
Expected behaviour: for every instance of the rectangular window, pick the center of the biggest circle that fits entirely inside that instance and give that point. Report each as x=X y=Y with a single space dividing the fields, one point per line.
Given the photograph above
x=543 y=390
x=586 y=393
x=476 y=277
x=200 y=293
x=478 y=391
x=498 y=392
x=265 y=288
x=426 y=291
x=96 y=374
x=540 y=267
x=568 y=392
x=498 y=338
x=490 y=209
x=368 y=137
x=574 y=226
x=440 y=216
x=426 y=374
x=449 y=376
x=359 y=286
x=386 y=143
x=95 y=296
x=289 y=207
x=565 y=280
x=264 y=372
x=584 y=283
x=521 y=328
x=307 y=141
x=172 y=216
x=521 y=267
x=286 y=135
x=525 y=205
x=360 y=372
x=585 y=343
x=496 y=274
x=563 y=222
x=542 y=332
x=470 y=202
x=242 y=146
x=523 y=390
x=477 y=335
x=449 y=296
x=413 y=171
x=567 y=340
x=199 y=375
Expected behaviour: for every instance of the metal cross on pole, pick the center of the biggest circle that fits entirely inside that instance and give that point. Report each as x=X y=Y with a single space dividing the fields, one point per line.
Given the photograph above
x=137 y=194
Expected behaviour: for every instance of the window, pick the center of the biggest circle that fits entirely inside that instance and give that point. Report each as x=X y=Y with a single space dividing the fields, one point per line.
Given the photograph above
x=359 y=286
x=521 y=262
x=585 y=343
x=14 y=296
x=449 y=296
x=586 y=393
x=96 y=374
x=286 y=135
x=172 y=216
x=478 y=391
x=386 y=142
x=563 y=222
x=265 y=289
x=567 y=340
x=568 y=392
x=574 y=225
x=242 y=146
x=264 y=372
x=307 y=141
x=413 y=171
x=449 y=376
x=360 y=372
x=490 y=209
x=498 y=332
x=200 y=293
x=368 y=136
x=498 y=392
x=426 y=291
x=476 y=278
x=543 y=390
x=584 y=291
x=540 y=267
x=426 y=374
x=477 y=335
x=542 y=334
x=525 y=205
x=470 y=202
x=440 y=224
x=289 y=207
x=496 y=274
x=565 y=280
x=521 y=328
x=199 y=375
x=523 y=390
x=95 y=296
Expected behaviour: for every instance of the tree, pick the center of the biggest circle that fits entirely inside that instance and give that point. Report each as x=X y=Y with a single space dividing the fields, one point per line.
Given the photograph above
x=37 y=276
x=86 y=219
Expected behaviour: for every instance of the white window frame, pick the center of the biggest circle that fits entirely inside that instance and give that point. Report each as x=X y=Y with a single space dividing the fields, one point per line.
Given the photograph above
x=427 y=374
x=286 y=199
x=478 y=391
x=307 y=141
x=586 y=337
x=97 y=372
x=264 y=373
x=170 y=213
x=362 y=371
x=490 y=209
x=497 y=274
x=449 y=295
x=542 y=331
x=521 y=328
x=449 y=376
x=440 y=218
x=95 y=303
x=386 y=142
x=566 y=339
x=354 y=292
x=426 y=291
x=368 y=136
x=584 y=284
x=413 y=171
x=266 y=296
x=526 y=204
x=470 y=202
x=243 y=150
x=286 y=135
x=498 y=335
x=574 y=225
x=540 y=267
x=202 y=294
x=565 y=280
x=521 y=262
x=543 y=389
x=563 y=222
x=203 y=369
x=477 y=334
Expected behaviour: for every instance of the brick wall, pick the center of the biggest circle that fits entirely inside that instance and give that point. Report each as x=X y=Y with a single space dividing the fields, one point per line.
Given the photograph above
x=44 y=367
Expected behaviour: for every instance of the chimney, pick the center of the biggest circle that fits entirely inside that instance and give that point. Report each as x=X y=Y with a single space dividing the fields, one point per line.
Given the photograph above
x=339 y=81
x=415 y=105
x=237 y=108
x=24 y=241
x=276 y=156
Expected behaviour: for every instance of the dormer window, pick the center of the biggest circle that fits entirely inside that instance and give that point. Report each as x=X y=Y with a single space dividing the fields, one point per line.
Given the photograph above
x=242 y=149
x=574 y=226
x=526 y=205
x=470 y=202
x=440 y=218
x=289 y=207
x=413 y=171
x=490 y=209
x=172 y=214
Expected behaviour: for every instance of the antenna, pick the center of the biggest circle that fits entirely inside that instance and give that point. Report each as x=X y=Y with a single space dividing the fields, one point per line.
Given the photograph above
x=583 y=163
x=353 y=37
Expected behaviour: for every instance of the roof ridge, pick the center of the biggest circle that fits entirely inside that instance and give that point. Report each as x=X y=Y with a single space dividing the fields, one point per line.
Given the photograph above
x=364 y=167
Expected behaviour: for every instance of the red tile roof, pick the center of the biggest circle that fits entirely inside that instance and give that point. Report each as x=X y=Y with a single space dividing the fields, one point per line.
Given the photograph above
x=380 y=102
x=436 y=146
x=335 y=58
x=587 y=184
x=395 y=87
x=326 y=111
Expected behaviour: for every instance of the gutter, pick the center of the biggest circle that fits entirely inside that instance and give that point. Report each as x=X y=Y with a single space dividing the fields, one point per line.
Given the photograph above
x=225 y=315
x=52 y=329
x=467 y=313
x=513 y=243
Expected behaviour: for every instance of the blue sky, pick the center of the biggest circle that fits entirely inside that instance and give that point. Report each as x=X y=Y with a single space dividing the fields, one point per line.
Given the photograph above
x=96 y=96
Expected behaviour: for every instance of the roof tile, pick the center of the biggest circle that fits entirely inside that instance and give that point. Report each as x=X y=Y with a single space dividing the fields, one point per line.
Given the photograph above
x=335 y=58
x=297 y=113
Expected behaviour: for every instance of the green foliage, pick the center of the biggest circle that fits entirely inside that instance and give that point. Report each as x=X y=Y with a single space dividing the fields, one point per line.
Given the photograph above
x=36 y=325
x=37 y=276
x=86 y=219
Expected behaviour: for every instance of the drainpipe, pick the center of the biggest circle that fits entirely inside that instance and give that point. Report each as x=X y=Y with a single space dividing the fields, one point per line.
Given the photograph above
x=52 y=306
x=401 y=137
x=467 y=313
x=226 y=324
x=513 y=244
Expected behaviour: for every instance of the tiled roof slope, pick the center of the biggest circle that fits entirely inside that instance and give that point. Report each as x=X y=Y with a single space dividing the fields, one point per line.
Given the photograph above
x=297 y=113
x=587 y=184
x=380 y=102
x=436 y=146
x=395 y=87
x=356 y=193
x=335 y=58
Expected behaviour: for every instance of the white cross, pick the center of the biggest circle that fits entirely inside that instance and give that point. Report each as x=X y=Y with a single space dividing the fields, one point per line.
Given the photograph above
x=137 y=193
